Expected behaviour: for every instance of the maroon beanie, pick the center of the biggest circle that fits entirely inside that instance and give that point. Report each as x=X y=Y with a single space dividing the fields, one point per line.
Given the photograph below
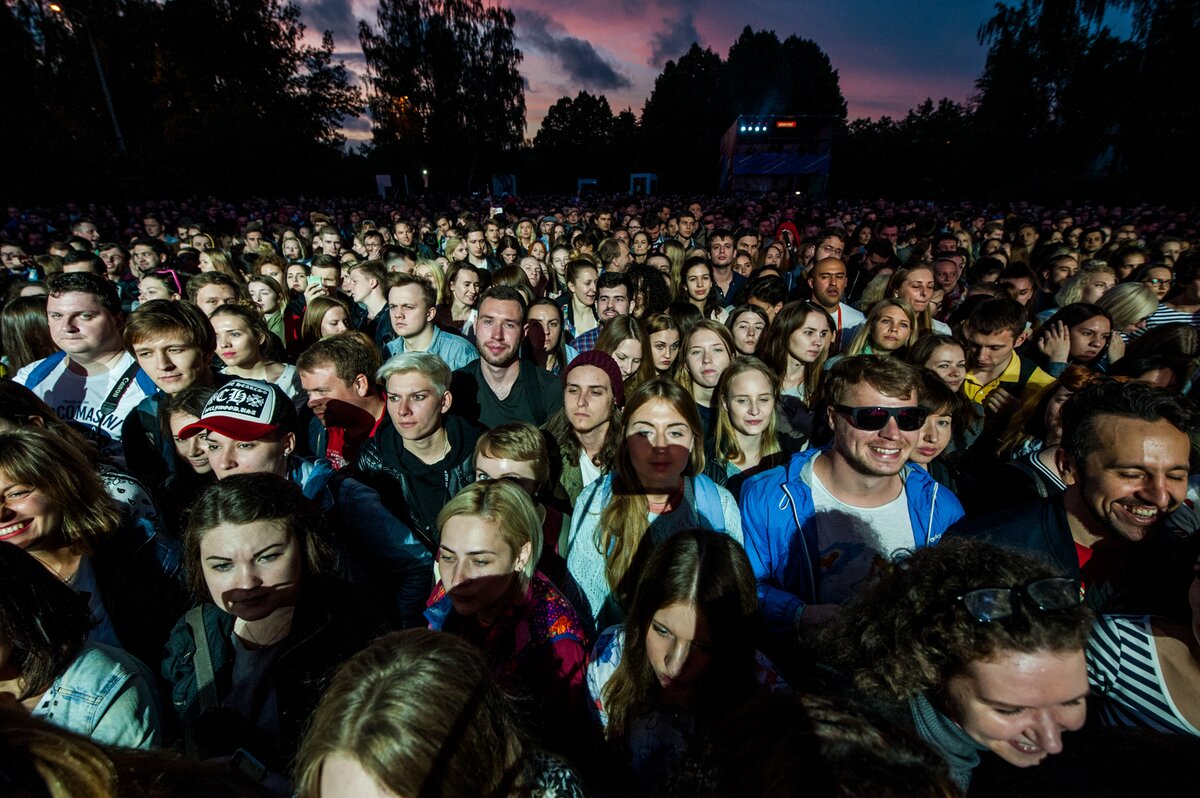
x=603 y=361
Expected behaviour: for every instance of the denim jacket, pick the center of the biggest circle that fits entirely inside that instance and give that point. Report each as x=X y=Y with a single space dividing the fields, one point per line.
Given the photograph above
x=107 y=695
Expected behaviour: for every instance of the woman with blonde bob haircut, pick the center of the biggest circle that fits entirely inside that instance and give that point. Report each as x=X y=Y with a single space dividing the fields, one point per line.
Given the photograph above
x=417 y=713
x=491 y=594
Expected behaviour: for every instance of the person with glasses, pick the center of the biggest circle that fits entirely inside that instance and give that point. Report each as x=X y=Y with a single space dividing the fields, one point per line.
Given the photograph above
x=1124 y=458
x=1162 y=281
x=982 y=648
x=819 y=525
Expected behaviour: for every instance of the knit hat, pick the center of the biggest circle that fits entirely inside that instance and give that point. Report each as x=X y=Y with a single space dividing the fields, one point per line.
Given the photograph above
x=603 y=361
x=245 y=410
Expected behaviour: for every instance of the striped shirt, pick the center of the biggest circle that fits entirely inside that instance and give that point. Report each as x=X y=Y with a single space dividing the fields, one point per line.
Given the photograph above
x=1127 y=678
x=1165 y=314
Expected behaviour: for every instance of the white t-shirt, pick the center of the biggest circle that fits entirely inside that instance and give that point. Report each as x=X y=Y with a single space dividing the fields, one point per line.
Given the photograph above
x=77 y=399
x=588 y=470
x=853 y=541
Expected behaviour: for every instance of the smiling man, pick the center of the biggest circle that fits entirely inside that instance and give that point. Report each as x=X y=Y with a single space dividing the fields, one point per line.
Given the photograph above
x=851 y=505
x=1125 y=455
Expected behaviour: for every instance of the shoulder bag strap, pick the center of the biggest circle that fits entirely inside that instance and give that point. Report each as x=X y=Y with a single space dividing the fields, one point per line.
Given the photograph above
x=206 y=680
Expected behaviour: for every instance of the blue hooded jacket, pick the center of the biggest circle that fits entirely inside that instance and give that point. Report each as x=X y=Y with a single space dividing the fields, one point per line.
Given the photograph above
x=781 y=538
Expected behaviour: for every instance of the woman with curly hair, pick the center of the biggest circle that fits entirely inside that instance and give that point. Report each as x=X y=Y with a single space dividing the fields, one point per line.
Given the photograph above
x=982 y=646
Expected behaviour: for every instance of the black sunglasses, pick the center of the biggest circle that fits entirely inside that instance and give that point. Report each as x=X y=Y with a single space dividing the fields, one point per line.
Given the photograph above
x=908 y=419
x=1046 y=595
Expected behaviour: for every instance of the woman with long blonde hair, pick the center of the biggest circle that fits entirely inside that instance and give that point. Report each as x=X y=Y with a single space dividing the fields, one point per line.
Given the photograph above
x=656 y=487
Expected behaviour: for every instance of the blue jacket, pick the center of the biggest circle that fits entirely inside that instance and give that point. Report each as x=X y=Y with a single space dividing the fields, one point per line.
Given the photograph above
x=781 y=538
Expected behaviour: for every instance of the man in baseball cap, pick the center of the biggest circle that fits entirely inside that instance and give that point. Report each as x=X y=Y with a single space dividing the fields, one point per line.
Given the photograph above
x=249 y=426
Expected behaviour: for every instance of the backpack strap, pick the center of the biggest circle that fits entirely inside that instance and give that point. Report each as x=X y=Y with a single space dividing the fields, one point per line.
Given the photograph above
x=206 y=680
x=708 y=503
x=42 y=370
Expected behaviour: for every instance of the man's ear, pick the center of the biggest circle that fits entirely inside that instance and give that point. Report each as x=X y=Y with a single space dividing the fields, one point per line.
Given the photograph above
x=1066 y=466
x=361 y=385
x=1022 y=338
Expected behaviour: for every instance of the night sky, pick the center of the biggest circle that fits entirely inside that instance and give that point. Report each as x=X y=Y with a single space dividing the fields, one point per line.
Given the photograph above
x=890 y=54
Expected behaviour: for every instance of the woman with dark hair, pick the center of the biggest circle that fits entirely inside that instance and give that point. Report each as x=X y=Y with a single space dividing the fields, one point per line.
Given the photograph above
x=747 y=324
x=1076 y=335
x=554 y=353
x=944 y=355
x=684 y=658
x=651 y=293
x=244 y=345
x=948 y=415
x=624 y=337
x=588 y=429
x=418 y=713
x=657 y=487
x=48 y=666
x=24 y=333
x=192 y=471
x=981 y=646
x=247 y=665
x=56 y=509
x=698 y=287
x=796 y=346
x=457 y=308
x=664 y=337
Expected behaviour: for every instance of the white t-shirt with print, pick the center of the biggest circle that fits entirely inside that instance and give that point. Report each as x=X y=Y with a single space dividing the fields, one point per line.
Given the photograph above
x=853 y=541
x=77 y=398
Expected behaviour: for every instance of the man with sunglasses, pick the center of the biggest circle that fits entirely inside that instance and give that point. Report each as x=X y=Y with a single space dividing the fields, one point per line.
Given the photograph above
x=818 y=526
x=1125 y=453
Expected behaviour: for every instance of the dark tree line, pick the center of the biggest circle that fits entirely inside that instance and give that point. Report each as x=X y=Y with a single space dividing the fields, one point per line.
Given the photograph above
x=694 y=101
x=209 y=95
x=1064 y=107
x=225 y=96
x=444 y=89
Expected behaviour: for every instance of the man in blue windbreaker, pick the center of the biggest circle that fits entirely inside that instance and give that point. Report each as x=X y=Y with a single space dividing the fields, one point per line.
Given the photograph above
x=818 y=526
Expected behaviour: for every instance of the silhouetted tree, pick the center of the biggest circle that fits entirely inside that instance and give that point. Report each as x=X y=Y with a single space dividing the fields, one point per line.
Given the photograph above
x=443 y=85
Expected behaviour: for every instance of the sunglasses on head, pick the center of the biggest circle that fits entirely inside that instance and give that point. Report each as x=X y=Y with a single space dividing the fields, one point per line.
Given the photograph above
x=1046 y=595
x=908 y=419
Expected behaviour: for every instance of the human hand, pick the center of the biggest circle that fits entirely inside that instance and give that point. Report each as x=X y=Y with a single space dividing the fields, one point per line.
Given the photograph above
x=1055 y=343
x=1116 y=347
x=1001 y=403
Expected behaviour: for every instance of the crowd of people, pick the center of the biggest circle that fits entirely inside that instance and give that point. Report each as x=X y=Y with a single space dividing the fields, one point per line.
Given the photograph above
x=695 y=496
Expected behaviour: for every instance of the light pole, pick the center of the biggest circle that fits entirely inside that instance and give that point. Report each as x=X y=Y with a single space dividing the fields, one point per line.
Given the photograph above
x=112 y=113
